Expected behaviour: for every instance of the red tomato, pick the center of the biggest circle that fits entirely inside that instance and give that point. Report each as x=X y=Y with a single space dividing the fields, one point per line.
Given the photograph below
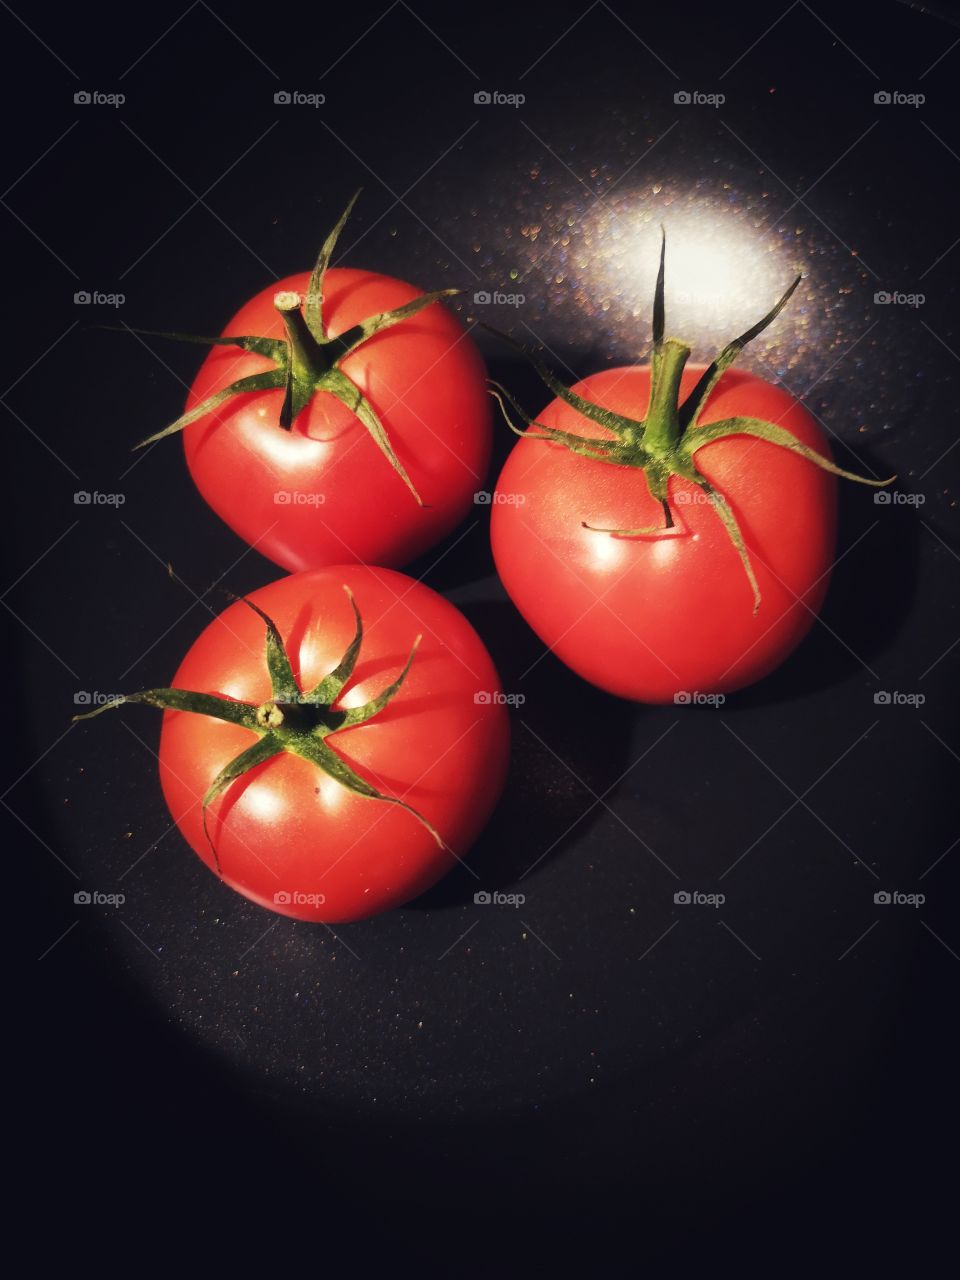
x=322 y=492
x=658 y=616
x=286 y=834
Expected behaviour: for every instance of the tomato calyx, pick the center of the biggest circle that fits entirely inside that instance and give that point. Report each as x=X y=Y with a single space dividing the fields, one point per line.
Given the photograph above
x=290 y=720
x=664 y=442
x=310 y=358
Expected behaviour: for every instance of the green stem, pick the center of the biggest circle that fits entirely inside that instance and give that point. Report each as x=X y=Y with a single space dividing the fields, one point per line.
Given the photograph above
x=662 y=431
x=306 y=355
x=281 y=716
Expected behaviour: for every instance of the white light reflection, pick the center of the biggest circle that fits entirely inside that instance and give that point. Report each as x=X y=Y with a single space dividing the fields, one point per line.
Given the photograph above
x=721 y=275
x=263 y=802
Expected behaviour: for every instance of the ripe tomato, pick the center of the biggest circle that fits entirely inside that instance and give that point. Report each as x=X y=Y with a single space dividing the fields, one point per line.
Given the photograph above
x=668 y=531
x=652 y=617
x=378 y=480
x=292 y=836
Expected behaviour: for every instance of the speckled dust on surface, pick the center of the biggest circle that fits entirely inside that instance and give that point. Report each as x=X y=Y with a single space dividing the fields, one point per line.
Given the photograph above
x=461 y=1007
x=584 y=256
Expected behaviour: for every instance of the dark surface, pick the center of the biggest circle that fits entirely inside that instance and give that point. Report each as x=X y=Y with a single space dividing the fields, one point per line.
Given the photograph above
x=783 y=1063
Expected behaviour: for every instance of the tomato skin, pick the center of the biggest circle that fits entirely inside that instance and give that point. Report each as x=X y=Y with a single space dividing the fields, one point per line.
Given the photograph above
x=426 y=381
x=286 y=827
x=649 y=618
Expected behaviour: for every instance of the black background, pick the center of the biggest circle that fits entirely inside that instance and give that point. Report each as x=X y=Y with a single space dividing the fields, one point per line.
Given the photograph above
x=777 y=1075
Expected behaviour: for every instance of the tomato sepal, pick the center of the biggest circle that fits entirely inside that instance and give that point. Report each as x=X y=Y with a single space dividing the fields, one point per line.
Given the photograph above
x=257 y=754
x=204 y=704
x=698 y=436
x=347 y=342
x=614 y=422
x=309 y=360
x=269 y=380
x=272 y=348
x=289 y=721
x=318 y=753
x=695 y=402
x=349 y=394
x=603 y=449
x=313 y=308
x=331 y=686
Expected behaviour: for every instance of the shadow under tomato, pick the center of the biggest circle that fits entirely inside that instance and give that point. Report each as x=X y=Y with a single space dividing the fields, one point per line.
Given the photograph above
x=464 y=555
x=568 y=740
x=871 y=592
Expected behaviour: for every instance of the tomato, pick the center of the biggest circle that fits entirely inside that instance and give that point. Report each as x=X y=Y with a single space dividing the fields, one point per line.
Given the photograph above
x=295 y=837
x=668 y=530
x=331 y=486
x=653 y=617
